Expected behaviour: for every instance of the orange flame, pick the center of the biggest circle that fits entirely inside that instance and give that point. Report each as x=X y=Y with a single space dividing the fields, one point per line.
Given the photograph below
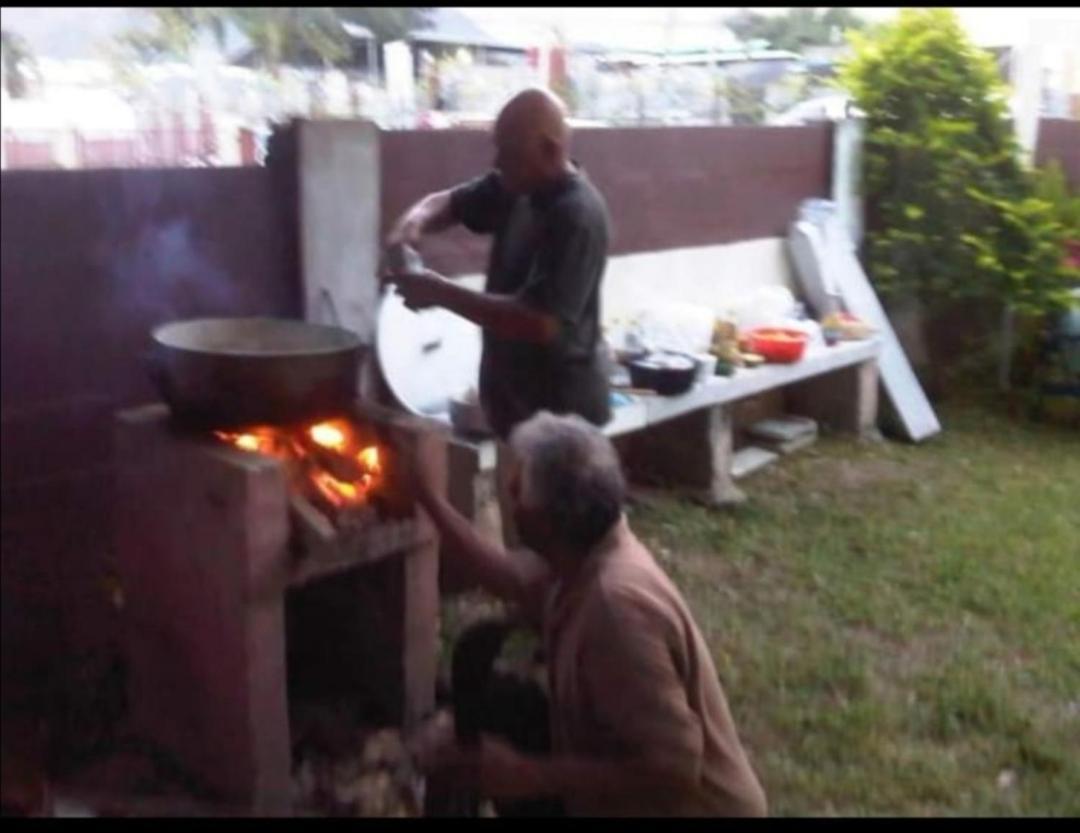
x=337 y=435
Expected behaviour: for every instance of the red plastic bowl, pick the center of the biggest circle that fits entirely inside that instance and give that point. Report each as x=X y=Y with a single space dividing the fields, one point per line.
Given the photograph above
x=778 y=344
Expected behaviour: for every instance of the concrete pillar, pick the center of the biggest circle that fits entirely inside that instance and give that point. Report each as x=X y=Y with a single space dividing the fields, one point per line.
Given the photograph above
x=1028 y=85
x=227 y=136
x=400 y=80
x=339 y=193
x=692 y=454
x=847 y=175
x=66 y=150
x=844 y=401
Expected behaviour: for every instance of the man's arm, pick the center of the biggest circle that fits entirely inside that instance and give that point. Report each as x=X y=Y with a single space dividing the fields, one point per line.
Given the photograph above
x=502 y=315
x=512 y=579
x=477 y=204
x=431 y=214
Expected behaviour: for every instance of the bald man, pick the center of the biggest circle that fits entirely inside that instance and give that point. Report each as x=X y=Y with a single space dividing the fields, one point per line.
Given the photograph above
x=540 y=309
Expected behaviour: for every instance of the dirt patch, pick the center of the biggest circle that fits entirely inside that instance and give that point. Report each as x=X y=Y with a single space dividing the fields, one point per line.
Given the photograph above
x=858 y=475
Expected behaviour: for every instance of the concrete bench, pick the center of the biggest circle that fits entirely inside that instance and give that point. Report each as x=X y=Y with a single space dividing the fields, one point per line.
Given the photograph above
x=686 y=441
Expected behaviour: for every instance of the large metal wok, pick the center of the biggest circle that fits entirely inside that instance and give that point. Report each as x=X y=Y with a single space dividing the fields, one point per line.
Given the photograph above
x=228 y=372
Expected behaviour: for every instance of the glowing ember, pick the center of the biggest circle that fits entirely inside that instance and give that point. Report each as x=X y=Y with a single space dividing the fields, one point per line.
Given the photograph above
x=328 y=435
x=262 y=439
x=369 y=459
x=338 y=492
x=319 y=463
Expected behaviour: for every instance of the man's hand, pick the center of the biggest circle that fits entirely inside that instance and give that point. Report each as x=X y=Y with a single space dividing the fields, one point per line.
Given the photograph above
x=432 y=746
x=503 y=772
x=419 y=291
x=492 y=768
x=408 y=230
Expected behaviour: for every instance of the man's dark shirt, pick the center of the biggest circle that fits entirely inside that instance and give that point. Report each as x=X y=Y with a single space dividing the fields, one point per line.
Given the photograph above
x=549 y=251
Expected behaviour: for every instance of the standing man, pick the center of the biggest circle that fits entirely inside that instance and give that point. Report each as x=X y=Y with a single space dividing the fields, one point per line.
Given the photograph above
x=540 y=311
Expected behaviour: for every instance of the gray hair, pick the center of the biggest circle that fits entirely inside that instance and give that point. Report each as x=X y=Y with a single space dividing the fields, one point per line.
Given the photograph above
x=570 y=472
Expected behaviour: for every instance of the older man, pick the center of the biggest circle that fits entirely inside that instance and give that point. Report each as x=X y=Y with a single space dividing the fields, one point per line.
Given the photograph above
x=640 y=724
x=540 y=311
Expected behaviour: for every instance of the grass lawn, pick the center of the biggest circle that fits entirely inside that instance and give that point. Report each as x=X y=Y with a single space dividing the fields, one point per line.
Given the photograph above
x=898 y=627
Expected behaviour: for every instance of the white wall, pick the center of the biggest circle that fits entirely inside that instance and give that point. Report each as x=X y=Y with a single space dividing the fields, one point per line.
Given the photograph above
x=712 y=276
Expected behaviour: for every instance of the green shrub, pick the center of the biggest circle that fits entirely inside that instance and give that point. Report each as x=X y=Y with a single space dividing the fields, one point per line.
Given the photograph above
x=951 y=213
x=1052 y=187
x=1021 y=254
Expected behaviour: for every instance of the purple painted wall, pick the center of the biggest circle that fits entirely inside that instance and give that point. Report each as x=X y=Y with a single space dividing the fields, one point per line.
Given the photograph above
x=665 y=187
x=1060 y=139
x=91 y=261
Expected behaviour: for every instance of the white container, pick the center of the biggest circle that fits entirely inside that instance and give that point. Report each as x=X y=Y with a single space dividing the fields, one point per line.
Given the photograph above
x=706 y=367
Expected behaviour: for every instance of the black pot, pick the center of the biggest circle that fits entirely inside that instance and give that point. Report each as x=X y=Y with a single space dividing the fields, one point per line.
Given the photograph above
x=224 y=373
x=667 y=381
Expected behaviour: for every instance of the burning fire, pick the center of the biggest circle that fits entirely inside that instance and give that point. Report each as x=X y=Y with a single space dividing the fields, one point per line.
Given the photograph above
x=330 y=456
x=328 y=435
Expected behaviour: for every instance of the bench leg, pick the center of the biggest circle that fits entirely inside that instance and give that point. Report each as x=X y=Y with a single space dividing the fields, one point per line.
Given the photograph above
x=845 y=401
x=692 y=453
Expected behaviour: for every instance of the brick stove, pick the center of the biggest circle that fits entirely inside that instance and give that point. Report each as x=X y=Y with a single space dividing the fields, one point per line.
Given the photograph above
x=244 y=597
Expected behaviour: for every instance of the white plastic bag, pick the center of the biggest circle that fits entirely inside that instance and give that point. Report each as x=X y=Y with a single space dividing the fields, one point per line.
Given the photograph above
x=684 y=328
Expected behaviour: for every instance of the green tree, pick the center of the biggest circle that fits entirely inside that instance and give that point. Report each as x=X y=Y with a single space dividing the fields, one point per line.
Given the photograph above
x=278 y=35
x=387 y=23
x=951 y=213
x=839 y=21
x=1052 y=186
x=173 y=33
x=797 y=29
x=19 y=63
x=746 y=103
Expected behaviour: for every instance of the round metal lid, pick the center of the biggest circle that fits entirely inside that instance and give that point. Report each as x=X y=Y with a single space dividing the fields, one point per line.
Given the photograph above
x=427 y=357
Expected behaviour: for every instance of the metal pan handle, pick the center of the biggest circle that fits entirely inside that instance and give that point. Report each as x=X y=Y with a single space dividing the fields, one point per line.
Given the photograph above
x=328 y=302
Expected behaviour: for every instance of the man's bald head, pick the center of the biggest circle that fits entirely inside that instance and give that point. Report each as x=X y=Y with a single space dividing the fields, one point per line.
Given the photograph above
x=532 y=140
x=534 y=111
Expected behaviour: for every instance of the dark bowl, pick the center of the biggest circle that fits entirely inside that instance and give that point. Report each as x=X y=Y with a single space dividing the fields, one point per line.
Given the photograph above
x=666 y=381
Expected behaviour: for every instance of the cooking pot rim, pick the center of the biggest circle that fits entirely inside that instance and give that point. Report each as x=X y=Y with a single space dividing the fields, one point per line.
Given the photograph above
x=161 y=333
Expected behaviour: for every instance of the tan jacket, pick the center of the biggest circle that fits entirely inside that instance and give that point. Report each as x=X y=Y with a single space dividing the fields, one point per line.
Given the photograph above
x=632 y=677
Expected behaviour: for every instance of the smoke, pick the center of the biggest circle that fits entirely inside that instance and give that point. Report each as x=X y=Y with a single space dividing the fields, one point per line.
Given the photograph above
x=161 y=273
